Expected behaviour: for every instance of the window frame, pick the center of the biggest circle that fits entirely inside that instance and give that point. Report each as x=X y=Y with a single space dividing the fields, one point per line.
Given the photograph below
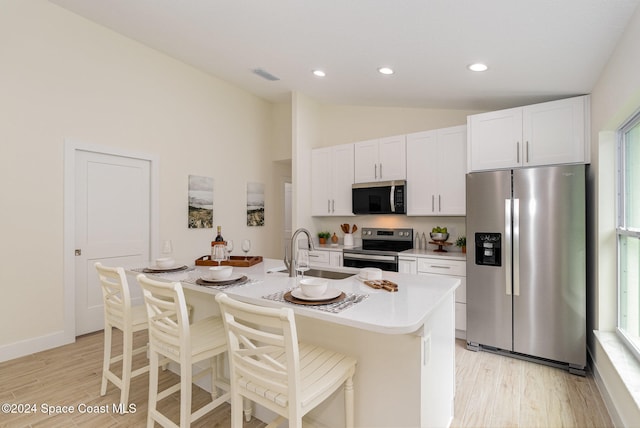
x=622 y=228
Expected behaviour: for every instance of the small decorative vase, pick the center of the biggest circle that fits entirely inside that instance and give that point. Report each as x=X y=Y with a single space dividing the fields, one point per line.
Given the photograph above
x=322 y=241
x=334 y=238
x=464 y=249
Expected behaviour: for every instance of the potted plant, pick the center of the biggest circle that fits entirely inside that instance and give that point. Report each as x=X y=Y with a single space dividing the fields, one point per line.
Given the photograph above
x=323 y=236
x=462 y=243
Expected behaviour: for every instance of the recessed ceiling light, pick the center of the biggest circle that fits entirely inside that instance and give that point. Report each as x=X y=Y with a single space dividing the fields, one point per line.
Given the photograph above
x=478 y=67
x=319 y=73
x=385 y=70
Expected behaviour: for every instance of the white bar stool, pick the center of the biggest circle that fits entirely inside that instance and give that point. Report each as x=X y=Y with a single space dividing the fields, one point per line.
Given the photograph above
x=269 y=367
x=171 y=337
x=118 y=313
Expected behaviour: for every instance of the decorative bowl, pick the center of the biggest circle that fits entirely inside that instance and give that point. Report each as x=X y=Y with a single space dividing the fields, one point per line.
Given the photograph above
x=313 y=287
x=439 y=236
x=165 y=262
x=220 y=272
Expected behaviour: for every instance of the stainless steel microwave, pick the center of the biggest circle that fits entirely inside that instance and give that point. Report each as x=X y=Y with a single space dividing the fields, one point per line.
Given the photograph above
x=382 y=197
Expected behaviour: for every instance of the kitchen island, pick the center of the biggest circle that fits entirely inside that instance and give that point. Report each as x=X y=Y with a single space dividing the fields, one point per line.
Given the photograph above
x=403 y=341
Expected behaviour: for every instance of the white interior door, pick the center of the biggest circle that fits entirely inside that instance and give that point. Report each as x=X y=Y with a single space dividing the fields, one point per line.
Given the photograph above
x=112 y=212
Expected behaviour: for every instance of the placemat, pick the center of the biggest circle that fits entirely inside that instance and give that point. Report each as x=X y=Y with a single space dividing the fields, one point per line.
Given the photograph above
x=346 y=303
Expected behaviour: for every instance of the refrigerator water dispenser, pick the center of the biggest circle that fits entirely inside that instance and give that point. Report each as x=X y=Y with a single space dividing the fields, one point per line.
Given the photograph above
x=488 y=249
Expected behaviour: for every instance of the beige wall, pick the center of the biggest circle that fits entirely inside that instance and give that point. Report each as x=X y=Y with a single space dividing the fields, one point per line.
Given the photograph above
x=615 y=97
x=64 y=77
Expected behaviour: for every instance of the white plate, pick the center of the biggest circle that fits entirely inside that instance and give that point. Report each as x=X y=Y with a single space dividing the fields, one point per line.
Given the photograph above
x=331 y=293
x=232 y=277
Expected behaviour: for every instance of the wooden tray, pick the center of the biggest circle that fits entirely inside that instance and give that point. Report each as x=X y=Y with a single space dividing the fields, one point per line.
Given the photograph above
x=289 y=298
x=238 y=261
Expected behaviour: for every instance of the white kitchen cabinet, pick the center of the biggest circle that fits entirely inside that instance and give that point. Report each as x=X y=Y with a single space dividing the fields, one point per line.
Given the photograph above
x=407 y=265
x=551 y=133
x=454 y=268
x=331 y=180
x=436 y=168
x=335 y=258
x=325 y=258
x=382 y=159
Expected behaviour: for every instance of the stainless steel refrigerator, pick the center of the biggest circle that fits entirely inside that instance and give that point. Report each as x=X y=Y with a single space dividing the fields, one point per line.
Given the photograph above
x=526 y=264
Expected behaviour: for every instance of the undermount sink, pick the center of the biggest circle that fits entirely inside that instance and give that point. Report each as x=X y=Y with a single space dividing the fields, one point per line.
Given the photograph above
x=320 y=273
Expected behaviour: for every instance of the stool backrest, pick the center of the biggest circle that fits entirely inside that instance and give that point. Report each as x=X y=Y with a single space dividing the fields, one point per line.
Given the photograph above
x=258 y=338
x=115 y=294
x=167 y=314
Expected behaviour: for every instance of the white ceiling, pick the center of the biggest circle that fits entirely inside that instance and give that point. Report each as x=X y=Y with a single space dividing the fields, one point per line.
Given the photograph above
x=537 y=50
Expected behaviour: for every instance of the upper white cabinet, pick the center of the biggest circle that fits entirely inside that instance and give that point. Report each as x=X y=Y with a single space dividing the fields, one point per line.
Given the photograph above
x=549 y=133
x=380 y=160
x=436 y=167
x=331 y=180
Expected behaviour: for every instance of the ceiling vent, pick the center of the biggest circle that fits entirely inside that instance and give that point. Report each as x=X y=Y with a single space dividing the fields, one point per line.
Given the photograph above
x=265 y=74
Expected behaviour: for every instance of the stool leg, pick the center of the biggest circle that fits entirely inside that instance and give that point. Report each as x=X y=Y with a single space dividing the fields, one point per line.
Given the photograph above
x=106 y=363
x=348 y=402
x=153 y=387
x=186 y=378
x=127 y=357
x=247 y=409
x=236 y=410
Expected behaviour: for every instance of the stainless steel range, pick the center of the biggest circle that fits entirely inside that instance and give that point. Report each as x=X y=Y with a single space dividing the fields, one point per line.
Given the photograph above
x=380 y=248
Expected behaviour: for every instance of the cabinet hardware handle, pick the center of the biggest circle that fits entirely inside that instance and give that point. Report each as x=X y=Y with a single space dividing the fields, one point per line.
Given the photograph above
x=433 y=206
x=333 y=205
x=313 y=255
x=518 y=152
x=527 y=146
x=329 y=206
x=440 y=267
x=375 y=171
x=380 y=170
x=516 y=247
x=439 y=203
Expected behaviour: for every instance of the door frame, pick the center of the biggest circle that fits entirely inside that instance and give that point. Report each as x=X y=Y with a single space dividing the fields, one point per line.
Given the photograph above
x=69 y=286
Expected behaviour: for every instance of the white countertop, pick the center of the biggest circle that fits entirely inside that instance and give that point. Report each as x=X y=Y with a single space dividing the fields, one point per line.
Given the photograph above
x=402 y=312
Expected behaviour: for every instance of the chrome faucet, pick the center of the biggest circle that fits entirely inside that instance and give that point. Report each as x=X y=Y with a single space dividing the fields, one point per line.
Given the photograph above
x=289 y=263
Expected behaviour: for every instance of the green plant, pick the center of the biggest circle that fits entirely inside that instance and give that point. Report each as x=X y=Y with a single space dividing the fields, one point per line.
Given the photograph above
x=325 y=235
x=461 y=241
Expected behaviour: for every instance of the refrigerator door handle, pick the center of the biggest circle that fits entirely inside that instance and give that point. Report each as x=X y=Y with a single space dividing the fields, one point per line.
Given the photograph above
x=507 y=245
x=516 y=247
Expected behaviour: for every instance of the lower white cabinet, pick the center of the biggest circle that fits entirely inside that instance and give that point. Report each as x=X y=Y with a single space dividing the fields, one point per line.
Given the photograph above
x=407 y=265
x=325 y=258
x=457 y=269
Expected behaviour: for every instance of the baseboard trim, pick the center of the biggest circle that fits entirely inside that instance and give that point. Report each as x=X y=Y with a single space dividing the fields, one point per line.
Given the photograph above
x=33 y=345
x=601 y=384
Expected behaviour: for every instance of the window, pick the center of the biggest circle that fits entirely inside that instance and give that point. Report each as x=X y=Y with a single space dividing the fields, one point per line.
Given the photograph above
x=628 y=232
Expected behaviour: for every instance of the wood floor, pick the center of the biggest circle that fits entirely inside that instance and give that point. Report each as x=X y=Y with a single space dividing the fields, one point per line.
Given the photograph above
x=491 y=391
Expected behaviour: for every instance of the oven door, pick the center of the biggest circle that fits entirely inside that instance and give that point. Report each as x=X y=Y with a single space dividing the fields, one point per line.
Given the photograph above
x=359 y=260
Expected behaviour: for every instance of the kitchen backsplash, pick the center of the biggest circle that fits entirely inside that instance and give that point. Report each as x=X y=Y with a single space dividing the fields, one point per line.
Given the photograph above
x=455 y=225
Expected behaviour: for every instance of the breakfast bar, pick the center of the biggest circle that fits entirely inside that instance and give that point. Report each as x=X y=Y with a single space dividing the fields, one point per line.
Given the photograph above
x=403 y=340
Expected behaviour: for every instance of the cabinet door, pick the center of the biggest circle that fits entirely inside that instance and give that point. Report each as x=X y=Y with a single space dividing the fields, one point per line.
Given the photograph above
x=554 y=132
x=341 y=179
x=392 y=158
x=495 y=140
x=408 y=265
x=422 y=166
x=319 y=257
x=452 y=166
x=335 y=258
x=320 y=181
x=366 y=161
